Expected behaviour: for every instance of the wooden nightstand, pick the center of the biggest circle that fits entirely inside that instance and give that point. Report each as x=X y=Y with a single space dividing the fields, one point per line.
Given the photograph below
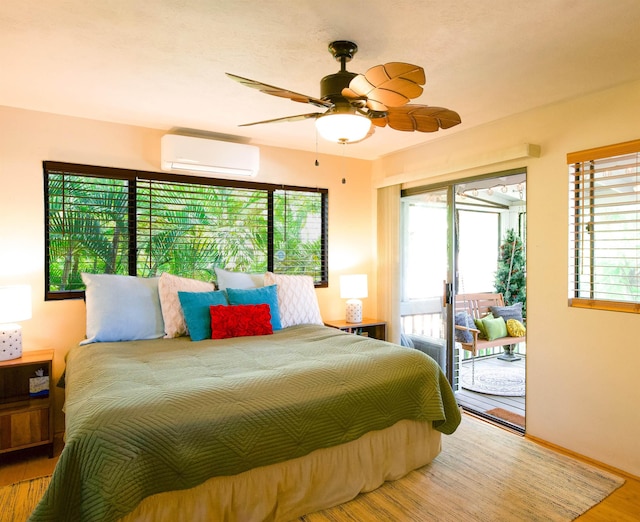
x=26 y=418
x=370 y=327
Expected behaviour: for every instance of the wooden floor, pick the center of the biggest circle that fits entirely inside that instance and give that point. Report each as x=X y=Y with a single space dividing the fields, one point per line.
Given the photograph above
x=623 y=505
x=480 y=402
x=27 y=464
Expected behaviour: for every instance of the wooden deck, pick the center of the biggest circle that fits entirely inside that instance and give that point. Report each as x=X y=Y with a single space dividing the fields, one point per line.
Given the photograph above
x=480 y=403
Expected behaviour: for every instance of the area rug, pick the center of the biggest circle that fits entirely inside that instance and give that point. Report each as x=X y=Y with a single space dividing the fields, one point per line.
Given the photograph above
x=509 y=416
x=508 y=382
x=18 y=500
x=484 y=473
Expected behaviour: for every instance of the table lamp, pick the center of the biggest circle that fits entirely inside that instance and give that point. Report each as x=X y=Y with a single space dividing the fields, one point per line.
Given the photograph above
x=353 y=288
x=15 y=305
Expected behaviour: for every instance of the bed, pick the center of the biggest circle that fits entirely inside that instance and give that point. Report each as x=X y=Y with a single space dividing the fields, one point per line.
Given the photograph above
x=262 y=427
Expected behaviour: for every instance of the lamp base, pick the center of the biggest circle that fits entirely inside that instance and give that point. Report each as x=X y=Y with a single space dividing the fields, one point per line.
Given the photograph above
x=354 y=311
x=10 y=341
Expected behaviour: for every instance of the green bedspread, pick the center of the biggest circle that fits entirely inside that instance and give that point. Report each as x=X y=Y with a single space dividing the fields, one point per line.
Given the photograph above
x=150 y=416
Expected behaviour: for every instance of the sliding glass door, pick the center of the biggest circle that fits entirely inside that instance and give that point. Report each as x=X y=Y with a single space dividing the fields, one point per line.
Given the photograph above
x=452 y=239
x=426 y=270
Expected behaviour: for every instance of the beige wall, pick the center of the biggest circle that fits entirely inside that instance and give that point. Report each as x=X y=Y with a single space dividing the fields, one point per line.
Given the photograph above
x=582 y=365
x=27 y=138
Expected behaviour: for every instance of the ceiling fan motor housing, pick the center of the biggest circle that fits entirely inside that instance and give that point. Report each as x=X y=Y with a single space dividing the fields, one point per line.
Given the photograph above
x=331 y=86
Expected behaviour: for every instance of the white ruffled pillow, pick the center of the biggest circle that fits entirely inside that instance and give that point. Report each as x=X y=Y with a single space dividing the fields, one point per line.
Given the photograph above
x=297 y=299
x=168 y=288
x=241 y=280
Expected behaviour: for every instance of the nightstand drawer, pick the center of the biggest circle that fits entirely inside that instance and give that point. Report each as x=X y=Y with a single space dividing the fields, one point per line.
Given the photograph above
x=24 y=428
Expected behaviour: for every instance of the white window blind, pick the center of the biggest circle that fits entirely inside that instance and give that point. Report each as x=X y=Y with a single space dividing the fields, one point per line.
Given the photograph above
x=604 y=227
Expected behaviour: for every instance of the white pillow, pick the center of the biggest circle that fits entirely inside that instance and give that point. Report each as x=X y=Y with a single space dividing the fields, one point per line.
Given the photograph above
x=297 y=299
x=241 y=280
x=168 y=288
x=122 y=308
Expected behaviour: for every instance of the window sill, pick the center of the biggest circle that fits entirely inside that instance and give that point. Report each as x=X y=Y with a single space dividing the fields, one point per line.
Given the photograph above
x=611 y=306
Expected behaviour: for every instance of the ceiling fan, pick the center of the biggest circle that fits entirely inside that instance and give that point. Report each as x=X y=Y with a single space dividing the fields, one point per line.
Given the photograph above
x=357 y=103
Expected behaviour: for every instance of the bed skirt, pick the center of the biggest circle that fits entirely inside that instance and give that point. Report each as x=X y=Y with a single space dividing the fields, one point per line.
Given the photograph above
x=290 y=489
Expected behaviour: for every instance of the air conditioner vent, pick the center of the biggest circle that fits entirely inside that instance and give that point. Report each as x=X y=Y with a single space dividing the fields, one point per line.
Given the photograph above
x=204 y=156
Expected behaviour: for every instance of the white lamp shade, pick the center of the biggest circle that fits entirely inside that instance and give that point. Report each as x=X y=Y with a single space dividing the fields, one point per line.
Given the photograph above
x=15 y=303
x=343 y=128
x=353 y=286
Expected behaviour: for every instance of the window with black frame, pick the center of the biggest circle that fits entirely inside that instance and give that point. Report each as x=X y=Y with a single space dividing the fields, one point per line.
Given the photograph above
x=118 y=221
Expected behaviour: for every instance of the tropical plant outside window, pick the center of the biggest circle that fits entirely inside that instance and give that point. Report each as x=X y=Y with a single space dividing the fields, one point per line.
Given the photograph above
x=116 y=221
x=604 y=227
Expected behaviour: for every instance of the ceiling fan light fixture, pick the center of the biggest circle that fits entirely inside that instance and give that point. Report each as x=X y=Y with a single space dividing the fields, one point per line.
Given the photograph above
x=343 y=127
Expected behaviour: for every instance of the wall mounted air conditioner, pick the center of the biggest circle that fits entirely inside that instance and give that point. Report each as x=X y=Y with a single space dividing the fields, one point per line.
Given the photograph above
x=204 y=156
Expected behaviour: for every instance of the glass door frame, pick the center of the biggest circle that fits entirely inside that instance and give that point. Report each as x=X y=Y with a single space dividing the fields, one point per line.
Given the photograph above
x=447 y=316
x=450 y=289
x=450 y=284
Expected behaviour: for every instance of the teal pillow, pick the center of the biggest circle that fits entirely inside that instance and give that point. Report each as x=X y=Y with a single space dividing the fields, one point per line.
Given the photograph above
x=265 y=295
x=197 y=314
x=496 y=328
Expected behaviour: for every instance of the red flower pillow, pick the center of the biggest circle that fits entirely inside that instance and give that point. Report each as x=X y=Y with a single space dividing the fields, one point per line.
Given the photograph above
x=240 y=320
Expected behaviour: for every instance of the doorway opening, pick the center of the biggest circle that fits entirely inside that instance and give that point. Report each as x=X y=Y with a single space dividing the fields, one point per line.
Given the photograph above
x=468 y=238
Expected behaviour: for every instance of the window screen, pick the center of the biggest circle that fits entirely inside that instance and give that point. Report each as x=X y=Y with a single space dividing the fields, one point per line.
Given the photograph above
x=604 y=227
x=117 y=221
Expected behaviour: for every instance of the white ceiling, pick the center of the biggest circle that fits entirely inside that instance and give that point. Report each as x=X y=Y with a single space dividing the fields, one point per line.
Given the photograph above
x=161 y=63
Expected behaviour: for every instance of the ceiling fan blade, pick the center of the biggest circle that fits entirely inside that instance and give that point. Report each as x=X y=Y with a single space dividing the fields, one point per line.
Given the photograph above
x=381 y=73
x=421 y=118
x=447 y=118
x=298 y=117
x=354 y=96
x=282 y=93
x=390 y=85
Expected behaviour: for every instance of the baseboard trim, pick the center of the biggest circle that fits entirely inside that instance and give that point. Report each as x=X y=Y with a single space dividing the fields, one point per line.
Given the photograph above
x=581 y=457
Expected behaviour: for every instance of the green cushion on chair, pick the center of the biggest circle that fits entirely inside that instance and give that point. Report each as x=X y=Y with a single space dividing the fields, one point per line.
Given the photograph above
x=480 y=325
x=496 y=328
